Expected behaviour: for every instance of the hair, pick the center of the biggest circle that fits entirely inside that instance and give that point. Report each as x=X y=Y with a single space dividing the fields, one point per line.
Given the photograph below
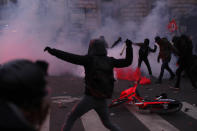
x=22 y=83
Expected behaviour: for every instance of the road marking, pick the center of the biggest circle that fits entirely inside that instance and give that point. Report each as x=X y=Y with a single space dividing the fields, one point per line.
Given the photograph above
x=61 y=100
x=64 y=99
x=189 y=110
x=92 y=122
x=152 y=121
x=46 y=124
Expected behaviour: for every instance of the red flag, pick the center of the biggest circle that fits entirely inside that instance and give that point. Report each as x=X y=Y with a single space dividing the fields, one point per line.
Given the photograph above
x=172 y=26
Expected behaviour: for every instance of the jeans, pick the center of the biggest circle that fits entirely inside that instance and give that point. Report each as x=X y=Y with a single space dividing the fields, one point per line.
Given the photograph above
x=165 y=66
x=189 y=73
x=86 y=104
x=147 y=64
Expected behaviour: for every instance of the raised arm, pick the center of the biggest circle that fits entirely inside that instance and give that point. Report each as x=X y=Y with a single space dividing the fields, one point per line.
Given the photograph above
x=116 y=42
x=128 y=59
x=69 y=57
x=153 y=50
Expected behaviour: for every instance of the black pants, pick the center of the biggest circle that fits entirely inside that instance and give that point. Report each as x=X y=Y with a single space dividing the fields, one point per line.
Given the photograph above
x=86 y=104
x=163 y=67
x=146 y=62
x=178 y=74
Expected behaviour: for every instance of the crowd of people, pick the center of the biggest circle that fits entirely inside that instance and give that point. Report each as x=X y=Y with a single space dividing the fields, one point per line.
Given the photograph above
x=23 y=97
x=182 y=47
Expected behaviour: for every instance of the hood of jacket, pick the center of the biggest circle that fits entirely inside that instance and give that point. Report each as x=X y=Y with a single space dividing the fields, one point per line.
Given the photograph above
x=97 y=48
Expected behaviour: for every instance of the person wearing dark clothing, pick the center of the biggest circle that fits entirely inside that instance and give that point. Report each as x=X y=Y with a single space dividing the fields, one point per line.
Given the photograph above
x=186 y=59
x=165 y=54
x=23 y=96
x=99 y=79
x=143 y=54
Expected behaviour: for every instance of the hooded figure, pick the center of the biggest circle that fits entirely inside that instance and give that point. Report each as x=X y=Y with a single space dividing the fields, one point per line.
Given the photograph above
x=143 y=54
x=187 y=61
x=97 y=48
x=22 y=96
x=99 y=79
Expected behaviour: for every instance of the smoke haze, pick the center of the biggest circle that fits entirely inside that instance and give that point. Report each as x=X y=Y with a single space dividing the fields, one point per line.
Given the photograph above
x=34 y=24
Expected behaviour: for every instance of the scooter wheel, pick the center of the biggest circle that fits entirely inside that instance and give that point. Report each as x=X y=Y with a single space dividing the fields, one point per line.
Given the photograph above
x=173 y=107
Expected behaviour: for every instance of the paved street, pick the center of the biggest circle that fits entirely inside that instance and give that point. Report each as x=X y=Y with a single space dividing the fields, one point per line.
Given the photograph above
x=67 y=91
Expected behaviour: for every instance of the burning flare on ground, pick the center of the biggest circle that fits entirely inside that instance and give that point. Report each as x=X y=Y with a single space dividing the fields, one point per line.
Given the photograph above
x=131 y=75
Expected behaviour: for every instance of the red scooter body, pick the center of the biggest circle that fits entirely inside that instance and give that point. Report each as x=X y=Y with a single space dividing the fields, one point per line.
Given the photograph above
x=158 y=105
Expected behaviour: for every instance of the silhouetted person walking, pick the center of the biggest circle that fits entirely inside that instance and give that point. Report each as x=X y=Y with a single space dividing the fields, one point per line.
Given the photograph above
x=186 y=61
x=165 y=54
x=143 y=54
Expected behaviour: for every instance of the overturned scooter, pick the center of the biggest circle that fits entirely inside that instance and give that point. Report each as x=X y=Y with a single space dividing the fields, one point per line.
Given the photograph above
x=160 y=104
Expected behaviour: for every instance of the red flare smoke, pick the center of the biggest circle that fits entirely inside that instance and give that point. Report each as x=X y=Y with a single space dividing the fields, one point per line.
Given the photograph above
x=144 y=81
x=131 y=75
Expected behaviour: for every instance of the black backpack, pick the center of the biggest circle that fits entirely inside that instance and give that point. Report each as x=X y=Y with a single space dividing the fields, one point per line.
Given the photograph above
x=100 y=77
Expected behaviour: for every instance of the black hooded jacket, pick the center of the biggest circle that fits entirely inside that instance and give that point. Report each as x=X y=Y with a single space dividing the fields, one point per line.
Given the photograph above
x=99 y=77
x=145 y=50
x=184 y=50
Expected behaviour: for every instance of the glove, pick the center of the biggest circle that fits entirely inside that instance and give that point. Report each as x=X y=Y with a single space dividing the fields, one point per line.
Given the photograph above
x=47 y=48
x=128 y=42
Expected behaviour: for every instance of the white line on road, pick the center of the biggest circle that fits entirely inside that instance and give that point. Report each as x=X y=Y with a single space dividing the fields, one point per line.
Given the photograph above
x=92 y=122
x=64 y=99
x=189 y=110
x=152 y=121
x=46 y=124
